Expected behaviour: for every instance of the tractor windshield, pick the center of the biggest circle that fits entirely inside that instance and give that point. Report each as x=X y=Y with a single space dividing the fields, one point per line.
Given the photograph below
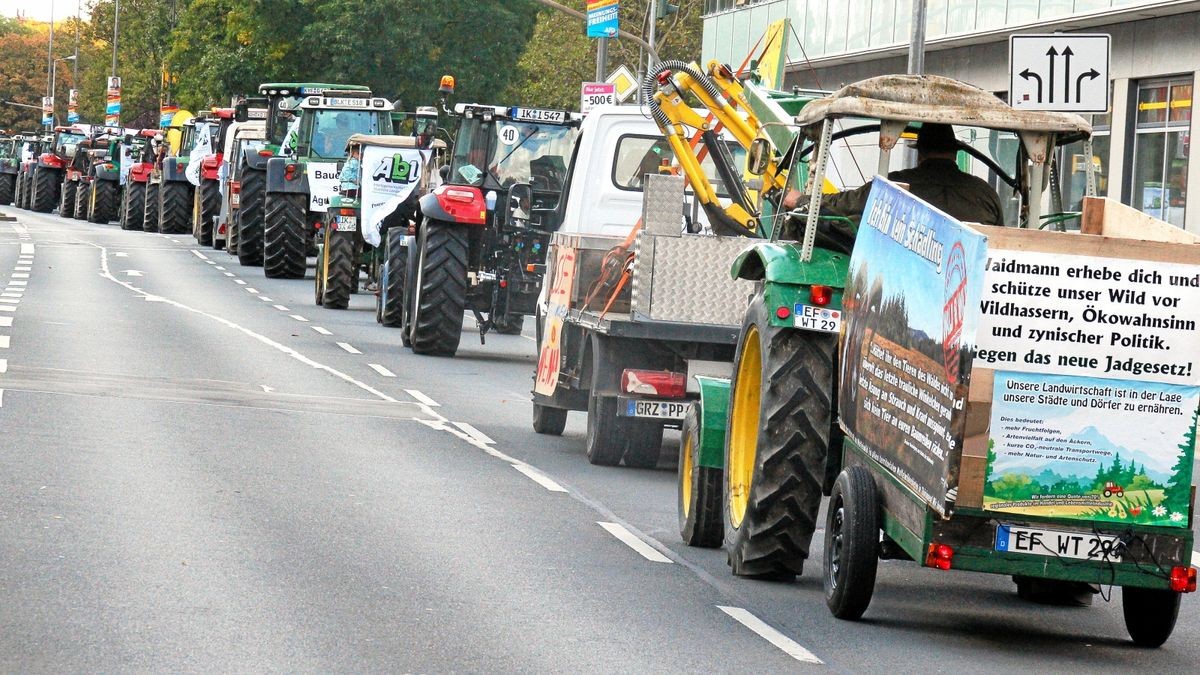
x=66 y=143
x=331 y=129
x=283 y=111
x=505 y=152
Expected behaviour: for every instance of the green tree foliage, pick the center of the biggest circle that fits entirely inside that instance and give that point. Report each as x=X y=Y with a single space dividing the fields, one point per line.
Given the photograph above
x=1179 y=486
x=143 y=44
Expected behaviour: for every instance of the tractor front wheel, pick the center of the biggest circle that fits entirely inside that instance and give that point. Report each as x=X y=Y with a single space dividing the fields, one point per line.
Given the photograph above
x=133 y=204
x=285 y=236
x=209 y=194
x=440 y=291
x=250 y=218
x=83 y=193
x=851 y=544
x=776 y=444
x=8 y=187
x=45 y=190
x=103 y=204
x=66 y=200
x=175 y=206
x=337 y=267
x=150 y=208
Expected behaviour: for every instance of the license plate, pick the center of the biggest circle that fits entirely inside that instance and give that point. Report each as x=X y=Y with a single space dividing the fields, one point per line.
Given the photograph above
x=668 y=410
x=535 y=115
x=348 y=102
x=235 y=200
x=346 y=223
x=820 y=319
x=1057 y=543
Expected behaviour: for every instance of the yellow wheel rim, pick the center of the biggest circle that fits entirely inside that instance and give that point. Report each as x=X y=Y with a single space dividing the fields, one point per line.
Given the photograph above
x=685 y=476
x=743 y=431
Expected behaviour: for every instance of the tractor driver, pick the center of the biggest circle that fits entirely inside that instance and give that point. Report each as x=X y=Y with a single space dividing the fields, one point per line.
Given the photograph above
x=936 y=179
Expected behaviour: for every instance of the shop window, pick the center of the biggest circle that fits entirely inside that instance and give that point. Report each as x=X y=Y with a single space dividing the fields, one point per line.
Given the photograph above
x=1161 y=147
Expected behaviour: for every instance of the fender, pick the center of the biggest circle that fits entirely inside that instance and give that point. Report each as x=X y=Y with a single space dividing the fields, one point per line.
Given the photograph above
x=278 y=176
x=49 y=160
x=210 y=167
x=713 y=407
x=110 y=174
x=430 y=208
x=174 y=170
x=254 y=160
x=140 y=172
x=455 y=204
x=780 y=263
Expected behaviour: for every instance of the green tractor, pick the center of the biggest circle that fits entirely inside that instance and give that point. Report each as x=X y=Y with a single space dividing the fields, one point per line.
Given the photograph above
x=368 y=221
x=282 y=101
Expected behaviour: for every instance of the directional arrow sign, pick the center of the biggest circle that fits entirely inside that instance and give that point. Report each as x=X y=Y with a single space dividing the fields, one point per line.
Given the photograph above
x=1067 y=72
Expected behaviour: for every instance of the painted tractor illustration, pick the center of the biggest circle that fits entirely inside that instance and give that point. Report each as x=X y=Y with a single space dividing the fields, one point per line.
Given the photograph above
x=1111 y=489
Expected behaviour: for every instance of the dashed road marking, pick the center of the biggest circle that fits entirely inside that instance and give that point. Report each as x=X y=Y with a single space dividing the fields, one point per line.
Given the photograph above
x=219 y=267
x=133 y=273
x=121 y=254
x=422 y=398
x=298 y=317
x=474 y=433
x=4 y=341
x=3 y=366
x=348 y=347
x=1 y=398
x=22 y=268
x=6 y=321
x=198 y=254
x=539 y=478
x=632 y=541
x=783 y=642
x=381 y=370
x=18 y=282
x=265 y=298
x=213 y=263
x=281 y=308
x=252 y=290
x=26 y=248
x=239 y=282
x=11 y=294
x=1196 y=559
x=20 y=275
x=9 y=300
x=228 y=274
x=7 y=308
x=320 y=330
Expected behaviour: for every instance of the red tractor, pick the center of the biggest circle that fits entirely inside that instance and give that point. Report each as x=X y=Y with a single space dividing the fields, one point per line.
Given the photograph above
x=208 y=193
x=1111 y=489
x=141 y=149
x=51 y=166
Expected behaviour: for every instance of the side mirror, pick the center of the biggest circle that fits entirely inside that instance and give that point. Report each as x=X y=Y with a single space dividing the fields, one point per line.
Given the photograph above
x=759 y=157
x=520 y=202
x=241 y=112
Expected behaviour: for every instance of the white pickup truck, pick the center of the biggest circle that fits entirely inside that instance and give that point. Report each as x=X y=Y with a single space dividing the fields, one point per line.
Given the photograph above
x=628 y=321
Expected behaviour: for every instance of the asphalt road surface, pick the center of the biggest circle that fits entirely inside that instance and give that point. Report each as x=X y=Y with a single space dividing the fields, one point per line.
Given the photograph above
x=202 y=471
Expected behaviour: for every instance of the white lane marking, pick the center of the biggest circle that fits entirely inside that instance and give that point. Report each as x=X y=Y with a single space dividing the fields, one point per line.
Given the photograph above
x=22 y=268
x=252 y=290
x=281 y=308
x=26 y=248
x=239 y=282
x=20 y=275
x=539 y=478
x=218 y=267
x=4 y=341
x=121 y=254
x=11 y=294
x=783 y=642
x=213 y=263
x=228 y=274
x=3 y=366
x=6 y=321
x=423 y=398
x=348 y=348
x=198 y=254
x=381 y=370
x=320 y=330
x=266 y=389
x=298 y=317
x=474 y=433
x=133 y=273
x=9 y=301
x=18 y=283
x=1 y=398
x=265 y=298
x=629 y=539
x=7 y=308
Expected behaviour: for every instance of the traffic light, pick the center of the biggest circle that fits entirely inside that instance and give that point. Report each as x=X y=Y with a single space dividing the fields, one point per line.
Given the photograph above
x=662 y=9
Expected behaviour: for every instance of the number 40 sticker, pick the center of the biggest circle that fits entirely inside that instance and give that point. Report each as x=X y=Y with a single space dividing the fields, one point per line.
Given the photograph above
x=509 y=134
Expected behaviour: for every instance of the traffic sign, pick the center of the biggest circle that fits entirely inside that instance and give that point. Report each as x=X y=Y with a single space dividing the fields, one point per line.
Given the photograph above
x=626 y=83
x=1067 y=72
x=592 y=94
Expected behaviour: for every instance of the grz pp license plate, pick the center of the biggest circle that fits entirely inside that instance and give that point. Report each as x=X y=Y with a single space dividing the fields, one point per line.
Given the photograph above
x=669 y=410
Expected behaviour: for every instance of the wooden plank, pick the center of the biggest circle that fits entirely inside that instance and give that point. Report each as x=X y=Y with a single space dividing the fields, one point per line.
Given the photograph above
x=1110 y=218
x=1068 y=243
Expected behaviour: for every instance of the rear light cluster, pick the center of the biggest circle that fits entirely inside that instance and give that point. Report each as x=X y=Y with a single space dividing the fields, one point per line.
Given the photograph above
x=265 y=153
x=463 y=204
x=289 y=172
x=940 y=556
x=820 y=295
x=1183 y=579
x=346 y=212
x=657 y=383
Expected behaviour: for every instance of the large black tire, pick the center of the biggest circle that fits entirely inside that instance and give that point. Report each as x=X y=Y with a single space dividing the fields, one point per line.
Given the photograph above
x=699 y=490
x=133 y=205
x=209 y=194
x=150 y=208
x=611 y=438
x=26 y=189
x=66 y=201
x=175 y=207
x=440 y=291
x=389 y=303
x=103 y=206
x=549 y=421
x=776 y=444
x=339 y=267
x=83 y=193
x=231 y=232
x=851 y=544
x=1150 y=614
x=8 y=188
x=45 y=190
x=19 y=194
x=250 y=217
x=285 y=236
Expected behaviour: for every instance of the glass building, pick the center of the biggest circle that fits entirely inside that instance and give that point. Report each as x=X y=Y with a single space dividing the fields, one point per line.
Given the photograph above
x=1143 y=143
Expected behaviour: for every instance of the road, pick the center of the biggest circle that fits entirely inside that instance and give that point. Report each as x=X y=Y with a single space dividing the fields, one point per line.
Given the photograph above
x=201 y=470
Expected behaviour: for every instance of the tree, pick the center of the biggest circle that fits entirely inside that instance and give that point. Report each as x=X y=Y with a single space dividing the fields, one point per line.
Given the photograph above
x=1179 y=486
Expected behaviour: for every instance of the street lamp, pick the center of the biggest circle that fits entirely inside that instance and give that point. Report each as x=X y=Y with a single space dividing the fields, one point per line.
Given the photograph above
x=53 y=78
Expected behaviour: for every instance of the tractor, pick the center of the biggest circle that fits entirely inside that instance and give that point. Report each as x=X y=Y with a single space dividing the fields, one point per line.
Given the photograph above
x=31 y=148
x=10 y=162
x=138 y=150
x=250 y=166
x=102 y=199
x=169 y=185
x=75 y=189
x=207 y=153
x=469 y=254
x=50 y=166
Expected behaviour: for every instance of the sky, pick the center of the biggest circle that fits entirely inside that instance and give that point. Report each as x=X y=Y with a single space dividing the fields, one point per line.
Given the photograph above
x=40 y=9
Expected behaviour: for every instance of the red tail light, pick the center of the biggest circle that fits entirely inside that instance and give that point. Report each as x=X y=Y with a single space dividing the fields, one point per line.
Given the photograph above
x=1183 y=579
x=265 y=153
x=289 y=172
x=235 y=187
x=221 y=228
x=820 y=295
x=463 y=204
x=940 y=556
x=346 y=212
x=782 y=312
x=660 y=383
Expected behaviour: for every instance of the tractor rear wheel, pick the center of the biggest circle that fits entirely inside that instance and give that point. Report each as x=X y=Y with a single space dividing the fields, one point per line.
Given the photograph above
x=19 y=192
x=776 y=444
x=133 y=205
x=250 y=218
x=699 y=490
x=389 y=304
x=284 y=236
x=440 y=291
x=150 y=208
x=175 y=207
x=338 y=267
x=66 y=199
x=45 y=190
x=209 y=194
x=8 y=187
x=103 y=202
x=83 y=193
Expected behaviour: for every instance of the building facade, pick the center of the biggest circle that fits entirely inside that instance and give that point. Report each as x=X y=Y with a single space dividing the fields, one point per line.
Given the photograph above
x=1143 y=144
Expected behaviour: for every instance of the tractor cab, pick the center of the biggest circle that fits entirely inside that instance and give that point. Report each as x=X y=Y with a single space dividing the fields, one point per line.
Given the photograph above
x=283 y=102
x=327 y=122
x=62 y=147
